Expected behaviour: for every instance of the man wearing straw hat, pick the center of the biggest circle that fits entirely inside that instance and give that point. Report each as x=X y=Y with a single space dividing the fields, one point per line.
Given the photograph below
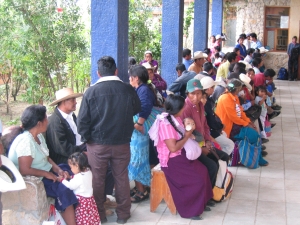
x=61 y=135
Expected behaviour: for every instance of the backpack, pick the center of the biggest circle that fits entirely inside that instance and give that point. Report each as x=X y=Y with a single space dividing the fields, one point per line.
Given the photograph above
x=224 y=182
x=253 y=113
x=282 y=74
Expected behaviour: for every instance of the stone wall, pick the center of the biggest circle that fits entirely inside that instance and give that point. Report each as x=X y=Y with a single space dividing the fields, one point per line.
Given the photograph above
x=276 y=60
x=251 y=15
x=26 y=207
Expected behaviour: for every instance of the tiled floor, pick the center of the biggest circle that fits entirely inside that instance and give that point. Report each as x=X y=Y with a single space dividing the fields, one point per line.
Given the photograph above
x=268 y=195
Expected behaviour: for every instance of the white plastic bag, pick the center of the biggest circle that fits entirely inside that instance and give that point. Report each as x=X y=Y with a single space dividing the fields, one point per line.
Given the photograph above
x=54 y=217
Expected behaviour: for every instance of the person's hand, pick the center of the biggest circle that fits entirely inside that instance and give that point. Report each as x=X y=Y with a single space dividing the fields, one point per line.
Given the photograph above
x=64 y=174
x=189 y=133
x=139 y=128
x=205 y=150
x=252 y=102
x=252 y=125
x=60 y=178
x=51 y=176
x=264 y=97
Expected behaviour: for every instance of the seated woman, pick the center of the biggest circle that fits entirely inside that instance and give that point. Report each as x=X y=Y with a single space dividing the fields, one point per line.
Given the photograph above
x=230 y=111
x=188 y=179
x=148 y=57
x=194 y=109
x=30 y=154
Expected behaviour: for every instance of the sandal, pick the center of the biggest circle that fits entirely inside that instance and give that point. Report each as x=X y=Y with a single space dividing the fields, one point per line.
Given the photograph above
x=133 y=191
x=139 y=197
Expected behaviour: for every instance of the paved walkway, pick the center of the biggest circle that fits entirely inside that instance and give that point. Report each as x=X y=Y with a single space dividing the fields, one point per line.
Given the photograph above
x=268 y=195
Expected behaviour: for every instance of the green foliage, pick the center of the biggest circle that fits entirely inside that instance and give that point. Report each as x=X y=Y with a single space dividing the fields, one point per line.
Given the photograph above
x=38 y=42
x=142 y=34
x=13 y=122
x=189 y=16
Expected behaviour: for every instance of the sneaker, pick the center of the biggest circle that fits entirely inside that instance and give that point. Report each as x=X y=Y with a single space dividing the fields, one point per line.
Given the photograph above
x=273 y=125
x=264 y=153
x=263 y=147
x=264 y=140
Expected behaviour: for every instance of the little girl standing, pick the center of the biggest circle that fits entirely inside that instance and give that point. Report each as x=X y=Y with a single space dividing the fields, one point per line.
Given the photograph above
x=86 y=212
x=260 y=99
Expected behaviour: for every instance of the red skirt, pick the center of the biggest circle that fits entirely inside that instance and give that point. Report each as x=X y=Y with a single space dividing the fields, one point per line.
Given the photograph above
x=86 y=212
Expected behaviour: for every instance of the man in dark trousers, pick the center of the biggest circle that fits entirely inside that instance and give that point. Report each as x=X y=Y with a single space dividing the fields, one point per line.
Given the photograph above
x=105 y=123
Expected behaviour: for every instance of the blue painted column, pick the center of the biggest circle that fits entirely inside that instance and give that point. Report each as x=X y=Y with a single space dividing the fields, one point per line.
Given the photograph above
x=172 y=38
x=217 y=17
x=109 y=34
x=201 y=15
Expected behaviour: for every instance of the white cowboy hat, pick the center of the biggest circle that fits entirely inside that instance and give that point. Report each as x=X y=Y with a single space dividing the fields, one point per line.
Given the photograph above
x=199 y=55
x=207 y=82
x=64 y=94
x=10 y=177
x=263 y=50
x=248 y=66
x=246 y=80
x=148 y=66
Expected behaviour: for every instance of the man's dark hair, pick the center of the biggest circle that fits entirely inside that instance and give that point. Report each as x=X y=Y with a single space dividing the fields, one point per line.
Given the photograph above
x=250 y=51
x=217 y=55
x=186 y=52
x=295 y=37
x=256 y=61
x=243 y=36
x=207 y=51
x=181 y=67
x=226 y=56
x=207 y=66
x=269 y=73
x=231 y=56
x=256 y=55
x=106 y=66
x=253 y=35
x=218 y=48
x=251 y=69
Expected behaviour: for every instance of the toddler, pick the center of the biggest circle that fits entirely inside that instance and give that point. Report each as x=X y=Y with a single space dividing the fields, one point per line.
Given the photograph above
x=86 y=213
x=260 y=99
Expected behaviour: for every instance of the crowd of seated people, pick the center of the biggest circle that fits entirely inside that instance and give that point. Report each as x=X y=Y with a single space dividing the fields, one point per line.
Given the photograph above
x=215 y=102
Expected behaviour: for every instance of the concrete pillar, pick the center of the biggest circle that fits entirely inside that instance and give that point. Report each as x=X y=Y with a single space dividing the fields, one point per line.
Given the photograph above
x=109 y=34
x=201 y=13
x=172 y=38
x=217 y=17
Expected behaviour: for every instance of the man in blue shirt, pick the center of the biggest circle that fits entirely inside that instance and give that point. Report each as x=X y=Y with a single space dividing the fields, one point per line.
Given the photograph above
x=179 y=85
x=254 y=42
x=187 y=57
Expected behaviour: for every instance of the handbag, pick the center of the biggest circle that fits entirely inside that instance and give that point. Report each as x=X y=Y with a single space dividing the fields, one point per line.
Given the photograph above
x=253 y=112
x=235 y=156
x=250 y=153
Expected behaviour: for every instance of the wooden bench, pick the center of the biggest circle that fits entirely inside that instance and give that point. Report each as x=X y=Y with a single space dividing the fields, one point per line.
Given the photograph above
x=160 y=191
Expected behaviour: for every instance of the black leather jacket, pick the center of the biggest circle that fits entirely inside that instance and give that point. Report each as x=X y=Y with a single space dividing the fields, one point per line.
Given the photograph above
x=106 y=113
x=60 y=138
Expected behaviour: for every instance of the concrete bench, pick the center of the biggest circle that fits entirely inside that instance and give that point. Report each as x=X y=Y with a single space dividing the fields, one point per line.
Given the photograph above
x=160 y=191
x=26 y=207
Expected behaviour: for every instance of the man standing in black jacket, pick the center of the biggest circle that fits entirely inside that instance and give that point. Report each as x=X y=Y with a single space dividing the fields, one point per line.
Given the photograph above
x=105 y=123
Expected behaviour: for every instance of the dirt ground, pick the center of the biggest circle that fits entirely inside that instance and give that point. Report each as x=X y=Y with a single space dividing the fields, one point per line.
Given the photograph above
x=17 y=108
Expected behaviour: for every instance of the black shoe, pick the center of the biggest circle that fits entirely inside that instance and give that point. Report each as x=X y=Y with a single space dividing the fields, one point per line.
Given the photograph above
x=207 y=209
x=273 y=115
x=196 y=218
x=276 y=107
x=290 y=79
x=263 y=147
x=103 y=220
x=122 y=221
x=273 y=125
x=264 y=140
x=211 y=203
x=264 y=153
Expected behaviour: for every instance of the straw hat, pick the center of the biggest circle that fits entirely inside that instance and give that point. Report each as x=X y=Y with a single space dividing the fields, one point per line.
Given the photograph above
x=199 y=55
x=10 y=177
x=64 y=94
x=246 y=80
x=148 y=66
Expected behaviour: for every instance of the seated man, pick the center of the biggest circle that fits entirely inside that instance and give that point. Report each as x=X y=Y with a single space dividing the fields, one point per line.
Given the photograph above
x=223 y=69
x=199 y=59
x=62 y=137
x=207 y=71
x=179 y=85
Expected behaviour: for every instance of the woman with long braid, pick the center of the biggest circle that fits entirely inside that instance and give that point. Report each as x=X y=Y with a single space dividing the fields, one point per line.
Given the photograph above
x=188 y=179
